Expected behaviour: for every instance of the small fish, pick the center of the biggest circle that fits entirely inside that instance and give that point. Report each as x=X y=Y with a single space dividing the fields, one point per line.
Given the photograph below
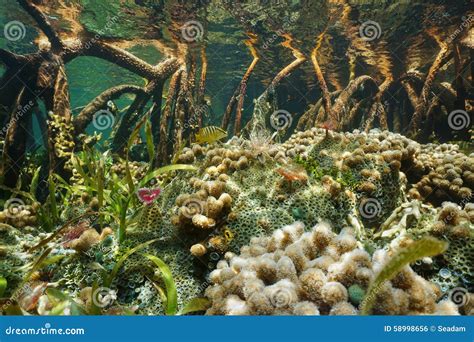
x=148 y=196
x=210 y=134
x=30 y=293
x=293 y=173
x=74 y=232
x=327 y=125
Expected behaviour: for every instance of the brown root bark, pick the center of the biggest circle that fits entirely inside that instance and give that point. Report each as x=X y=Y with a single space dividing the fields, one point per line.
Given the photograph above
x=377 y=110
x=55 y=93
x=299 y=59
x=84 y=118
x=202 y=79
x=326 y=96
x=16 y=135
x=163 y=151
x=443 y=56
x=230 y=107
x=349 y=120
x=120 y=57
x=306 y=120
x=43 y=23
x=180 y=121
x=340 y=105
x=238 y=96
x=261 y=114
x=129 y=120
x=243 y=84
x=155 y=115
x=43 y=73
x=459 y=81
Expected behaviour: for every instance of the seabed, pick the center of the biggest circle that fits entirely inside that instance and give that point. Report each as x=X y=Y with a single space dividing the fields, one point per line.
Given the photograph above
x=236 y=158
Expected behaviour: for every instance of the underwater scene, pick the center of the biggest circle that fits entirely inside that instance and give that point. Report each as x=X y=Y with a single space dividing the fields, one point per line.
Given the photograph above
x=218 y=157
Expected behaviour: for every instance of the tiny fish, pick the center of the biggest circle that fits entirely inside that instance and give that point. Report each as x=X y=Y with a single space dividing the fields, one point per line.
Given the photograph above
x=210 y=134
x=293 y=173
x=327 y=125
x=148 y=196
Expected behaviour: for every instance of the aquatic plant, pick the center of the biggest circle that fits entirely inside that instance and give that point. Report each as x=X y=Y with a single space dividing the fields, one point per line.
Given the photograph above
x=425 y=247
x=171 y=300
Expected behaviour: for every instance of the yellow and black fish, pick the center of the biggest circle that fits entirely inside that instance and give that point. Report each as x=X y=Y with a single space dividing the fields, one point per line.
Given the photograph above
x=210 y=134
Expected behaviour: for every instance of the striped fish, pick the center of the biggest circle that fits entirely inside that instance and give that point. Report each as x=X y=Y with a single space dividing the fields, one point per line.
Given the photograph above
x=210 y=134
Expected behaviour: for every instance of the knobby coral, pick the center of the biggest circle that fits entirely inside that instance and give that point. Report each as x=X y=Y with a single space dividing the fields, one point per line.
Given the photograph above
x=312 y=273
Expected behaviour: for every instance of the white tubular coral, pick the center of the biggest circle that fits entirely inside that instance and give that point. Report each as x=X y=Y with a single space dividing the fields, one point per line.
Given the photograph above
x=293 y=272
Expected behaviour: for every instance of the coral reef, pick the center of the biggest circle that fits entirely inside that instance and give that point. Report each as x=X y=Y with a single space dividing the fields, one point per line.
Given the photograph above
x=312 y=273
x=239 y=196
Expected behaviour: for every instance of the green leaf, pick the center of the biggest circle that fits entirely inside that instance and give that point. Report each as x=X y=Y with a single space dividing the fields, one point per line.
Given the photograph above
x=425 y=247
x=56 y=296
x=124 y=257
x=128 y=177
x=58 y=309
x=196 y=304
x=161 y=292
x=52 y=260
x=10 y=307
x=38 y=264
x=135 y=133
x=149 y=142
x=61 y=301
x=94 y=309
x=18 y=192
x=171 y=293
x=3 y=286
x=53 y=206
x=165 y=169
x=100 y=183
x=34 y=182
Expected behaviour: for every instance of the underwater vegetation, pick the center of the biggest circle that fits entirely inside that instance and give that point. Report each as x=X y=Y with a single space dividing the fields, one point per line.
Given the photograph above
x=236 y=158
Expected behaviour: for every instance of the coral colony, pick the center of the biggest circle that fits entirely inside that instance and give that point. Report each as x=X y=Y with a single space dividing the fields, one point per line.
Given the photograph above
x=359 y=202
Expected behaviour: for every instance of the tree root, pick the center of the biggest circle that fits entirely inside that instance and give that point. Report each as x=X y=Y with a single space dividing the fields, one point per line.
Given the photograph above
x=84 y=118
